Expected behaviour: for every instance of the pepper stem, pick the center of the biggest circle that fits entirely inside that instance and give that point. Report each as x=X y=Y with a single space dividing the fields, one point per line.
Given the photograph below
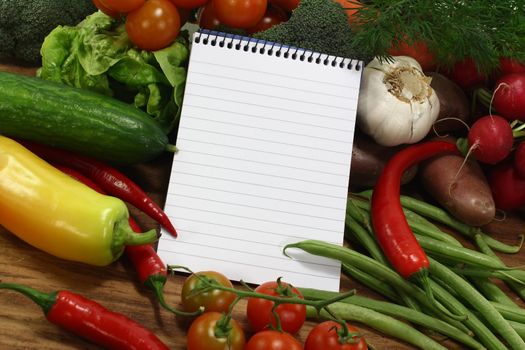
x=123 y=235
x=44 y=300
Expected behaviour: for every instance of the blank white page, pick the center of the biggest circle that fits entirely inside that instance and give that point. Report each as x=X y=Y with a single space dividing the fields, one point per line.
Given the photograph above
x=265 y=145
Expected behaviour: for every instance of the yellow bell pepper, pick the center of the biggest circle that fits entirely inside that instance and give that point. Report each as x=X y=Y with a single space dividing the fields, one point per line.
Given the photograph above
x=59 y=215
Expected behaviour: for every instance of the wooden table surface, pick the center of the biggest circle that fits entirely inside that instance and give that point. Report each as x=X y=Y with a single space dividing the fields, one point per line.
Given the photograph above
x=23 y=326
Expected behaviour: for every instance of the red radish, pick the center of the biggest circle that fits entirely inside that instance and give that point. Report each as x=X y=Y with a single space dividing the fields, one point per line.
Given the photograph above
x=509 y=65
x=491 y=139
x=465 y=73
x=509 y=96
x=508 y=188
x=519 y=159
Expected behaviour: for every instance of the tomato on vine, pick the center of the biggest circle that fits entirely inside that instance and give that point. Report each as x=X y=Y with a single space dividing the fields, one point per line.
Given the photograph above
x=215 y=331
x=207 y=18
x=108 y=11
x=259 y=311
x=154 y=25
x=123 y=6
x=330 y=335
x=189 y=4
x=286 y=5
x=273 y=15
x=212 y=300
x=273 y=340
x=240 y=14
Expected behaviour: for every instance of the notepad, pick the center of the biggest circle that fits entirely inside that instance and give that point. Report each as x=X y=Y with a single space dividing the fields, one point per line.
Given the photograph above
x=265 y=147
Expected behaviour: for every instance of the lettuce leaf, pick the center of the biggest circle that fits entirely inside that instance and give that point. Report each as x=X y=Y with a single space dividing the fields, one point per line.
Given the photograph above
x=97 y=55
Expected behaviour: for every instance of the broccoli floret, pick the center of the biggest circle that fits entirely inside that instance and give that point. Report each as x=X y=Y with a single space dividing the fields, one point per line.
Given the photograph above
x=25 y=24
x=317 y=25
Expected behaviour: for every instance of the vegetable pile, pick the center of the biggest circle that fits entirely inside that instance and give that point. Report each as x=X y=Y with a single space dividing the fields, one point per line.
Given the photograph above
x=441 y=114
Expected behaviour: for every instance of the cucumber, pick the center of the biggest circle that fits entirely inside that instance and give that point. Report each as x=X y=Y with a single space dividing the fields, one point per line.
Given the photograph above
x=78 y=120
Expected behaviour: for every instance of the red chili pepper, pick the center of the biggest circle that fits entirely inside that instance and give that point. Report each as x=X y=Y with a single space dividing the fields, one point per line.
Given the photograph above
x=90 y=320
x=106 y=177
x=150 y=268
x=388 y=219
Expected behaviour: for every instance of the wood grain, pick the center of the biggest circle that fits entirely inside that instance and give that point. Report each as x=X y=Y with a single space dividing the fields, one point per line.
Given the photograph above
x=24 y=327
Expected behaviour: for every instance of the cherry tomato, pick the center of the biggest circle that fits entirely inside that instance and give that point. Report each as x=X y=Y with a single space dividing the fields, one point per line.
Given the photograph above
x=214 y=300
x=123 y=6
x=154 y=25
x=108 y=11
x=273 y=340
x=274 y=15
x=189 y=4
x=202 y=334
x=207 y=18
x=259 y=311
x=418 y=51
x=325 y=336
x=239 y=13
x=286 y=5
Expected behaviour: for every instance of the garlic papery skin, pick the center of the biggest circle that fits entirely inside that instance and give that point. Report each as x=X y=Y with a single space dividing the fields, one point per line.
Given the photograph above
x=396 y=103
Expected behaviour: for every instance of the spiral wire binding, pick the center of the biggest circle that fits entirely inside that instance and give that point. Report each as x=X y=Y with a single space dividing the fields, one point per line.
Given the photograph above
x=240 y=42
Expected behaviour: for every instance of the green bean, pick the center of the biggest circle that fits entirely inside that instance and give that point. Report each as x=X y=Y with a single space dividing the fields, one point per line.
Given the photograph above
x=515 y=276
x=367 y=240
x=481 y=331
x=510 y=313
x=519 y=328
x=383 y=323
x=359 y=233
x=459 y=254
x=432 y=212
x=479 y=303
x=491 y=291
x=370 y=281
x=363 y=262
x=417 y=223
x=399 y=311
x=518 y=288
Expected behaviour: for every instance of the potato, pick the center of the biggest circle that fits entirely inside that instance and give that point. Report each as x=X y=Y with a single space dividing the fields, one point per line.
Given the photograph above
x=460 y=187
x=453 y=104
x=368 y=160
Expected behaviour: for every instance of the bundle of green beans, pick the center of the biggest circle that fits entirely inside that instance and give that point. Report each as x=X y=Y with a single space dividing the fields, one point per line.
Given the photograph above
x=461 y=280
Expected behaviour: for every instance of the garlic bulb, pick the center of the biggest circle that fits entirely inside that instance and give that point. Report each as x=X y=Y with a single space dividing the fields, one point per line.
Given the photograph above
x=396 y=103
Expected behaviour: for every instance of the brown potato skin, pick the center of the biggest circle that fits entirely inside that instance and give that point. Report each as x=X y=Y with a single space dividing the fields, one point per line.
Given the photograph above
x=466 y=195
x=453 y=104
x=369 y=159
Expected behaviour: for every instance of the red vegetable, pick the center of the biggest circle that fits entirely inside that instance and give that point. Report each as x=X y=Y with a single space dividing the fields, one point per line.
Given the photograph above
x=273 y=340
x=260 y=311
x=508 y=188
x=149 y=266
x=519 y=159
x=490 y=138
x=509 y=96
x=418 y=51
x=388 y=219
x=112 y=181
x=509 y=65
x=465 y=73
x=90 y=320
x=329 y=335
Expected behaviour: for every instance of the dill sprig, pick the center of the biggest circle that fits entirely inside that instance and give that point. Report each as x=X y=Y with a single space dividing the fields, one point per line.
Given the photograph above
x=452 y=29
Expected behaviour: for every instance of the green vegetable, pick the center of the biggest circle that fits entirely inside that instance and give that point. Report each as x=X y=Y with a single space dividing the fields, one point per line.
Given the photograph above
x=383 y=323
x=453 y=30
x=97 y=55
x=25 y=24
x=317 y=25
x=397 y=311
x=79 y=120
